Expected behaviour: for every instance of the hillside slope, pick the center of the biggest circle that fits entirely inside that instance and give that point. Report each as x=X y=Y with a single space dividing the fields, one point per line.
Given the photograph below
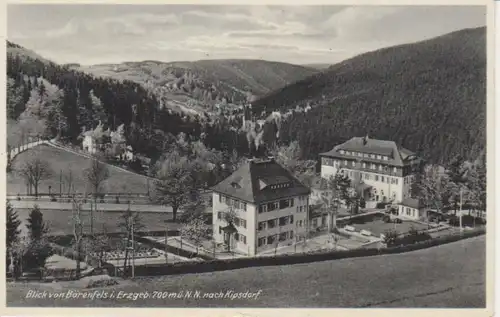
x=202 y=84
x=429 y=96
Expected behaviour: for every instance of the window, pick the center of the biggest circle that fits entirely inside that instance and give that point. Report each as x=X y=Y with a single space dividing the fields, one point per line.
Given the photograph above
x=261 y=242
x=283 y=236
x=291 y=219
x=364 y=165
x=345 y=162
x=300 y=209
x=382 y=179
x=270 y=239
x=283 y=221
x=380 y=167
x=376 y=178
x=220 y=198
x=290 y=234
x=219 y=215
x=237 y=222
x=395 y=170
x=284 y=203
x=353 y=163
x=244 y=223
x=396 y=181
x=342 y=152
x=374 y=166
x=367 y=177
x=245 y=206
x=271 y=223
x=262 y=225
x=379 y=157
x=220 y=230
x=315 y=223
x=237 y=236
x=300 y=223
x=243 y=238
x=291 y=202
x=350 y=173
x=262 y=208
x=272 y=206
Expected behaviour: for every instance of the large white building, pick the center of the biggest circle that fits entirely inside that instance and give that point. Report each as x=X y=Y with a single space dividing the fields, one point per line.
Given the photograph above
x=271 y=207
x=385 y=171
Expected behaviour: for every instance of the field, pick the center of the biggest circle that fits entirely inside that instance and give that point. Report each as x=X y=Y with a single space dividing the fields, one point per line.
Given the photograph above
x=62 y=162
x=60 y=221
x=451 y=275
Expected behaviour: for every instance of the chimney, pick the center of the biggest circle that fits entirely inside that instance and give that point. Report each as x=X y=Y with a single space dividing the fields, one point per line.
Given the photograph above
x=365 y=140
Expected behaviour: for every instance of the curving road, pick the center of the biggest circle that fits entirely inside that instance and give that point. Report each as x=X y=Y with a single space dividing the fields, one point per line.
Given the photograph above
x=447 y=276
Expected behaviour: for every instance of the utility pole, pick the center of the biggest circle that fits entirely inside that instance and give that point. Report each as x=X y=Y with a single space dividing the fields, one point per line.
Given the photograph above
x=60 y=183
x=133 y=250
x=166 y=244
x=460 y=215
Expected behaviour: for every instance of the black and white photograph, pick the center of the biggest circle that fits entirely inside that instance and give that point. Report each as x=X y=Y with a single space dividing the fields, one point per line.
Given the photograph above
x=248 y=156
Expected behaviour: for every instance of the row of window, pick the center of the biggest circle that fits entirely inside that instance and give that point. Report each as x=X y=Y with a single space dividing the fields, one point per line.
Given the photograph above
x=301 y=208
x=373 y=166
x=233 y=202
x=410 y=212
x=275 y=205
x=283 y=236
x=368 y=176
x=359 y=154
x=237 y=221
x=237 y=236
x=273 y=223
x=409 y=179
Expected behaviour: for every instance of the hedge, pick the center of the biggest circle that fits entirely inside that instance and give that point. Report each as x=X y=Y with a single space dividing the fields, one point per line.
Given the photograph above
x=287 y=259
x=172 y=249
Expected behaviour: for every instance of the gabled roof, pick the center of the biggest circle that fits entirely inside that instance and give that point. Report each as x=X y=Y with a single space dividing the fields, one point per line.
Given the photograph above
x=410 y=202
x=259 y=181
x=397 y=155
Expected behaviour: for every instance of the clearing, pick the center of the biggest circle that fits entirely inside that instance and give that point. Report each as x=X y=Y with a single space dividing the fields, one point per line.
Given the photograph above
x=62 y=162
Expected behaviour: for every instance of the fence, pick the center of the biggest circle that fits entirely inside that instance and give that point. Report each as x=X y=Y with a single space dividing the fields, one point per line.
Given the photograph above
x=287 y=259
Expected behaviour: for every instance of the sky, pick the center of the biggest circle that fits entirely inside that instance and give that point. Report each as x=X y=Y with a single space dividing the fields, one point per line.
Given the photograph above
x=96 y=34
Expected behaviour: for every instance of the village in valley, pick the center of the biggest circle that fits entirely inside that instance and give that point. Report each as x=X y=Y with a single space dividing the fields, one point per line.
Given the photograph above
x=114 y=185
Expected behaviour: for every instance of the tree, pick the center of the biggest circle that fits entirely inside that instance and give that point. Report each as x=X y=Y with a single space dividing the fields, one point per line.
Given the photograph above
x=129 y=222
x=432 y=188
x=12 y=236
x=457 y=174
x=78 y=234
x=390 y=237
x=229 y=217
x=331 y=198
x=36 y=226
x=290 y=158
x=196 y=231
x=174 y=185
x=34 y=171
x=15 y=104
x=98 y=245
x=96 y=174
x=69 y=180
x=12 y=226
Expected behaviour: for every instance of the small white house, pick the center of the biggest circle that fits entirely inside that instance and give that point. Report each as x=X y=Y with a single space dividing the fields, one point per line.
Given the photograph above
x=89 y=144
x=409 y=208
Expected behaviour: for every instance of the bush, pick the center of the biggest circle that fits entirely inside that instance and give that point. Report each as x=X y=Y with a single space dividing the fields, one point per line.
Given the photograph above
x=467 y=220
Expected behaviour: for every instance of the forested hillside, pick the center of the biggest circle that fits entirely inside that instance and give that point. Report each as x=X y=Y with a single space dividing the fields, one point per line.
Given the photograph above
x=195 y=87
x=428 y=96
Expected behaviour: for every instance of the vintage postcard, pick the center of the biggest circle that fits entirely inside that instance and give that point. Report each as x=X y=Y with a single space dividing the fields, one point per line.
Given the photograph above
x=312 y=156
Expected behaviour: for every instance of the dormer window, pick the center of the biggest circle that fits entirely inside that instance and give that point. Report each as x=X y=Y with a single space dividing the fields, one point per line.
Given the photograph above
x=235 y=185
x=342 y=151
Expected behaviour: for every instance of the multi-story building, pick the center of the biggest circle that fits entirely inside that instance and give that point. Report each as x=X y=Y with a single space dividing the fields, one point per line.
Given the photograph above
x=383 y=169
x=270 y=205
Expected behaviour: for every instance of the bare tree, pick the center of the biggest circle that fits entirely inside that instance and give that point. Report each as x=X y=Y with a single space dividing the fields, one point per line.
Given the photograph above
x=34 y=171
x=96 y=174
x=78 y=234
x=130 y=222
x=195 y=230
x=69 y=180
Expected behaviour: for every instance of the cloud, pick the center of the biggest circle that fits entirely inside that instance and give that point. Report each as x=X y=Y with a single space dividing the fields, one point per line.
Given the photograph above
x=297 y=34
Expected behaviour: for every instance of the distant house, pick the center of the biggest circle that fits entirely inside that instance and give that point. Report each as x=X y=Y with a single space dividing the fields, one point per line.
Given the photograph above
x=410 y=208
x=89 y=143
x=271 y=207
x=385 y=170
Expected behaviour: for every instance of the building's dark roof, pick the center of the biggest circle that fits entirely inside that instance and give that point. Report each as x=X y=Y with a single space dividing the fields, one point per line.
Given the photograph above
x=410 y=202
x=245 y=183
x=397 y=155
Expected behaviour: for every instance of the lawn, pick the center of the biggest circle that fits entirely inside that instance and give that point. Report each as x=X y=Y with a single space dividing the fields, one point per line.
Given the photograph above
x=62 y=162
x=451 y=275
x=60 y=221
x=376 y=227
